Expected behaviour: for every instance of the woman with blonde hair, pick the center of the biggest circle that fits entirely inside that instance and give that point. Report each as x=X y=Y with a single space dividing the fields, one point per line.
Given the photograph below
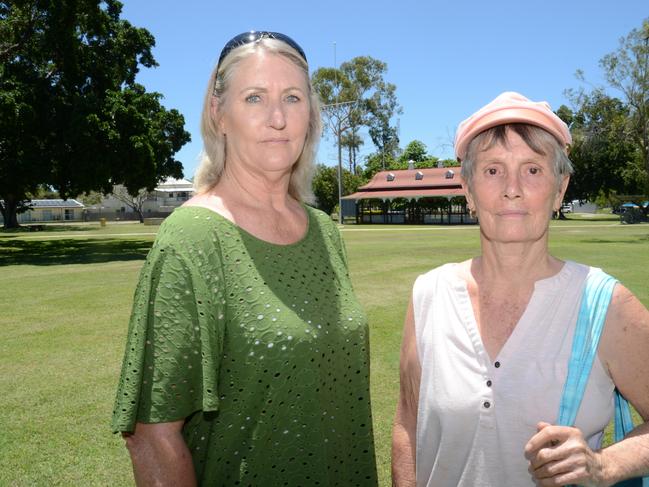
x=247 y=360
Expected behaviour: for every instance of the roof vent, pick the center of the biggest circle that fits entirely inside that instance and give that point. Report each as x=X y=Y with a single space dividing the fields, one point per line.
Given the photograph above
x=419 y=175
x=449 y=174
x=390 y=176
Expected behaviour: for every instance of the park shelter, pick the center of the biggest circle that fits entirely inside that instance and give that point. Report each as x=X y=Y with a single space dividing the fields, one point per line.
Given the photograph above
x=411 y=196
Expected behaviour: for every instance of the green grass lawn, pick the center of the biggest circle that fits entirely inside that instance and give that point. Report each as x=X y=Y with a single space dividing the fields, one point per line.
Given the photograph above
x=65 y=301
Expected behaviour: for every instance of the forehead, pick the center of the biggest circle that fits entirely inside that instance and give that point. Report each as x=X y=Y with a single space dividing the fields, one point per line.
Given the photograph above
x=263 y=67
x=512 y=145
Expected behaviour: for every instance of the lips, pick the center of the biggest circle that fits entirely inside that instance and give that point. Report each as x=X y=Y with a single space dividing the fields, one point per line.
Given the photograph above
x=512 y=213
x=274 y=141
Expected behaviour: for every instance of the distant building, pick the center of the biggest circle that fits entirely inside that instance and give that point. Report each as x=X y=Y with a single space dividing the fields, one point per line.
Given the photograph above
x=169 y=194
x=56 y=210
x=410 y=196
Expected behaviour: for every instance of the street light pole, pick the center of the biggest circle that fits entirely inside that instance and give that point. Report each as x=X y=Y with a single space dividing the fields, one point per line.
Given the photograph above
x=340 y=153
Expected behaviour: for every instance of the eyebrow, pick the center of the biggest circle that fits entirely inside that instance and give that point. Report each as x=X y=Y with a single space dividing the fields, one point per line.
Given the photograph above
x=263 y=89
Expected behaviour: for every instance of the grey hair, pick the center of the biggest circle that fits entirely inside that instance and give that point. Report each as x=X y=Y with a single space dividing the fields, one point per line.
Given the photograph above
x=213 y=156
x=537 y=139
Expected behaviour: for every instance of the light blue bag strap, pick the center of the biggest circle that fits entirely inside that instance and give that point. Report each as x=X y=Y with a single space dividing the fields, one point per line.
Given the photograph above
x=624 y=424
x=623 y=419
x=595 y=299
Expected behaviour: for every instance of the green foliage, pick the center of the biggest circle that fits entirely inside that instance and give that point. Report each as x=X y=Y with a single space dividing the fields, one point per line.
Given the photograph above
x=627 y=70
x=71 y=115
x=44 y=193
x=611 y=147
x=602 y=153
x=90 y=198
x=356 y=95
x=414 y=151
x=325 y=186
x=378 y=161
x=449 y=163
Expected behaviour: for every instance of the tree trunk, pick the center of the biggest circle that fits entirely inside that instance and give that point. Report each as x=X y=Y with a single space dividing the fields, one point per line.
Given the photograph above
x=140 y=215
x=9 y=209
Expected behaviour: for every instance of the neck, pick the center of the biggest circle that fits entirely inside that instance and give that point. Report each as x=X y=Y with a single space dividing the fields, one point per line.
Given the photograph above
x=515 y=264
x=257 y=190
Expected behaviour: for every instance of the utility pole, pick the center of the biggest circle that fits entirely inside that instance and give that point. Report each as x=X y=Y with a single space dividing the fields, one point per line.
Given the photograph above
x=336 y=117
x=340 y=152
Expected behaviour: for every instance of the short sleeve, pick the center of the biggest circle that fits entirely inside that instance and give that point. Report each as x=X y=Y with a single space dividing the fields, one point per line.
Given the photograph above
x=334 y=235
x=174 y=342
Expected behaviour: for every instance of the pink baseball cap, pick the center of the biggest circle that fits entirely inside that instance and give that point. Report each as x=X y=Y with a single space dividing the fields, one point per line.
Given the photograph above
x=510 y=107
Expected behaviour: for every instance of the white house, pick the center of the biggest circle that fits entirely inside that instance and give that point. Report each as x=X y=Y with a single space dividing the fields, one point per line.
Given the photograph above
x=168 y=195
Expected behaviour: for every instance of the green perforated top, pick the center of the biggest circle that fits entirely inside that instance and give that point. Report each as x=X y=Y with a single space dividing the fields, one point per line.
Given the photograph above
x=263 y=348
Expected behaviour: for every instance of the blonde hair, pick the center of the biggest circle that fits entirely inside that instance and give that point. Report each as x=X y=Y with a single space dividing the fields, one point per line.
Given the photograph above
x=213 y=157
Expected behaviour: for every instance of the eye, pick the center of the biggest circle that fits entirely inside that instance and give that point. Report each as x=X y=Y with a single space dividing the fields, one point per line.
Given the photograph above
x=491 y=171
x=292 y=98
x=534 y=170
x=253 y=99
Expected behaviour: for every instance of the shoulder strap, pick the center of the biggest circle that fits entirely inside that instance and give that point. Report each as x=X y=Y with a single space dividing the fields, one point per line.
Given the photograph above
x=595 y=299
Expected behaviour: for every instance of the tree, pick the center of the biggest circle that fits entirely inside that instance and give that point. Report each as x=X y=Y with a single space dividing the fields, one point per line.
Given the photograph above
x=134 y=201
x=71 y=115
x=356 y=95
x=352 y=141
x=90 y=198
x=415 y=151
x=627 y=70
x=602 y=151
x=325 y=186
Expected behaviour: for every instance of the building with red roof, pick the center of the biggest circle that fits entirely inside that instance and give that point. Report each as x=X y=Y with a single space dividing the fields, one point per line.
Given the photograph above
x=411 y=196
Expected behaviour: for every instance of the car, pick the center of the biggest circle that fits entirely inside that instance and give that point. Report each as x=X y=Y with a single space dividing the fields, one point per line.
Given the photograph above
x=566 y=208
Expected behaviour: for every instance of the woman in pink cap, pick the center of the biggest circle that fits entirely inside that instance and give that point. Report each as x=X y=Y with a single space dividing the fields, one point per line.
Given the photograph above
x=487 y=342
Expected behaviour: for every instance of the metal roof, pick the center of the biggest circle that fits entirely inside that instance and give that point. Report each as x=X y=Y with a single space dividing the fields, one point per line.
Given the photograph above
x=412 y=183
x=56 y=203
x=405 y=193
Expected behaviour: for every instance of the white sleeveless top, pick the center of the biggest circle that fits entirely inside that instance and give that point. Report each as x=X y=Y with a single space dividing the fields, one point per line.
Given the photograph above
x=475 y=416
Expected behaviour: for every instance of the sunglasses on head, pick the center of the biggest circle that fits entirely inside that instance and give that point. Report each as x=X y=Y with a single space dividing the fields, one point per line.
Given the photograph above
x=255 y=36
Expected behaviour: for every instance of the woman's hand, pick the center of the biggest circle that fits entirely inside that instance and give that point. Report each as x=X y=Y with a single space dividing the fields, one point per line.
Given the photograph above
x=559 y=455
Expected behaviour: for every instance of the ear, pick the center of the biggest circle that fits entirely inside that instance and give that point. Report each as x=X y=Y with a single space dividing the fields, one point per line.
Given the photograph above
x=469 y=197
x=214 y=113
x=563 y=186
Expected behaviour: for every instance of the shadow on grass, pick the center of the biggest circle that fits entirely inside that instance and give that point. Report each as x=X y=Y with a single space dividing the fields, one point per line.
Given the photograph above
x=47 y=228
x=639 y=240
x=71 y=251
x=602 y=218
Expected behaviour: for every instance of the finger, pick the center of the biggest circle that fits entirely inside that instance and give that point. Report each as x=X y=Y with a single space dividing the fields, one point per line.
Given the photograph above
x=548 y=436
x=569 y=477
x=548 y=455
x=551 y=469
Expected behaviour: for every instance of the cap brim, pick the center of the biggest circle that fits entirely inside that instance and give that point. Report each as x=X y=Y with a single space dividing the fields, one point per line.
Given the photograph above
x=503 y=117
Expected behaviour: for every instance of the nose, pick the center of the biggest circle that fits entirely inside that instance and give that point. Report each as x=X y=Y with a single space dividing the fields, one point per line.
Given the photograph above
x=276 y=116
x=512 y=186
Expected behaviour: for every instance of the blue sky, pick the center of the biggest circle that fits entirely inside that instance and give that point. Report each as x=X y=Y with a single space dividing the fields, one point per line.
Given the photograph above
x=447 y=59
